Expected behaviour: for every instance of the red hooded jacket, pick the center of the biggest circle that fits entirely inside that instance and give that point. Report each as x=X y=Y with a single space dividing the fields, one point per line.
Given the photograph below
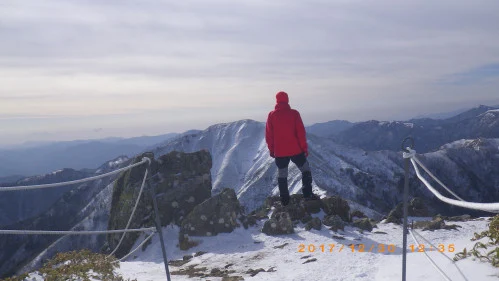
x=285 y=133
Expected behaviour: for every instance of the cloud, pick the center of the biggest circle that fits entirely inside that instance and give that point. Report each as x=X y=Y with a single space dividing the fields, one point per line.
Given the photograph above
x=337 y=59
x=476 y=75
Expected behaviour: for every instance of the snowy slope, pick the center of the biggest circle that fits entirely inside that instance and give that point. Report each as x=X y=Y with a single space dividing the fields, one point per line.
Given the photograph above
x=241 y=161
x=94 y=216
x=86 y=208
x=373 y=179
x=243 y=250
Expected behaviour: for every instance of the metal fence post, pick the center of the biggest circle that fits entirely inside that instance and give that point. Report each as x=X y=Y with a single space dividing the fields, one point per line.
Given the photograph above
x=158 y=227
x=406 y=195
x=405 y=208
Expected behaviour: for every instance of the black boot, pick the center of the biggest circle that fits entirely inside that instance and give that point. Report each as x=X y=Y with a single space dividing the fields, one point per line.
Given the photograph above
x=307 y=185
x=283 y=190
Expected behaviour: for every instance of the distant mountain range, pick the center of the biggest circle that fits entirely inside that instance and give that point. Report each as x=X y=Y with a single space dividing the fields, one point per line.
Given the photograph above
x=40 y=158
x=329 y=129
x=429 y=134
x=361 y=162
x=80 y=154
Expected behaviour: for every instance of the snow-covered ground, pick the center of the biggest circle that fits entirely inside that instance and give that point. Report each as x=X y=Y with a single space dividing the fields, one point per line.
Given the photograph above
x=243 y=250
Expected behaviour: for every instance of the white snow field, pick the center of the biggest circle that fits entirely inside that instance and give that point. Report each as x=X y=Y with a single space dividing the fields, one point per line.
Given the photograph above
x=243 y=250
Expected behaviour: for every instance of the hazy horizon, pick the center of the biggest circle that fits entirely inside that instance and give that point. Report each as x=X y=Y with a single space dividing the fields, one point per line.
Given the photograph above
x=53 y=137
x=88 y=70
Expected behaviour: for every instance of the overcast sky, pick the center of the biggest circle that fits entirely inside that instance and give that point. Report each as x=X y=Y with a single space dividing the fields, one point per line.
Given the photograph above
x=76 y=69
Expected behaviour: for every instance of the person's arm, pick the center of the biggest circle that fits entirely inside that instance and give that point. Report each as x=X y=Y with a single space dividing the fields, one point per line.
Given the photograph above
x=301 y=134
x=269 y=135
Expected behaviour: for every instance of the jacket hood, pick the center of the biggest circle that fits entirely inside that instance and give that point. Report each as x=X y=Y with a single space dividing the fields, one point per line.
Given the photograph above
x=282 y=97
x=282 y=105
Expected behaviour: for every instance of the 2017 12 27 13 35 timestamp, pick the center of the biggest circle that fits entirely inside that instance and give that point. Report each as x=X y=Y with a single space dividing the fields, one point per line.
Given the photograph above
x=372 y=248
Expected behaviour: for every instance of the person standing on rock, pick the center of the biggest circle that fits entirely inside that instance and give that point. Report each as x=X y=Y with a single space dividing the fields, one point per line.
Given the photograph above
x=286 y=139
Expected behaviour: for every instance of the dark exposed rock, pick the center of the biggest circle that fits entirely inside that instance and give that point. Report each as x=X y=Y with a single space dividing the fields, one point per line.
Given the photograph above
x=296 y=208
x=279 y=223
x=248 y=221
x=310 y=260
x=271 y=201
x=281 y=246
x=232 y=278
x=181 y=180
x=312 y=206
x=336 y=205
x=177 y=262
x=452 y=227
x=364 y=224
x=215 y=215
x=416 y=208
x=260 y=213
x=460 y=218
x=315 y=223
x=184 y=182
x=307 y=218
x=358 y=214
x=438 y=223
x=191 y=271
x=253 y=272
x=395 y=215
x=334 y=222
x=455 y=218
x=184 y=241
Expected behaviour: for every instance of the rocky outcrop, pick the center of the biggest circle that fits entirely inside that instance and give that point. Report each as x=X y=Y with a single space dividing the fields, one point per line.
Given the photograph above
x=416 y=208
x=395 y=215
x=437 y=223
x=216 y=215
x=363 y=224
x=280 y=223
x=454 y=218
x=299 y=210
x=184 y=182
x=336 y=205
x=181 y=181
x=314 y=223
x=334 y=222
x=312 y=206
x=296 y=208
x=357 y=214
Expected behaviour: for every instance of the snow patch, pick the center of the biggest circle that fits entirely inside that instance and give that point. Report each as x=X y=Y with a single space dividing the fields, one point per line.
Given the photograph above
x=283 y=257
x=409 y=125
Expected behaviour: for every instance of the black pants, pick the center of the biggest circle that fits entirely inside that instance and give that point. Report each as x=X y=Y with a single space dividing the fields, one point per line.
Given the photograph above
x=301 y=162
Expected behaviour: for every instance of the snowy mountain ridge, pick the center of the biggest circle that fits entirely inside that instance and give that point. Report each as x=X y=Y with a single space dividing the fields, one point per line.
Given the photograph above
x=374 y=179
x=371 y=181
x=429 y=134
